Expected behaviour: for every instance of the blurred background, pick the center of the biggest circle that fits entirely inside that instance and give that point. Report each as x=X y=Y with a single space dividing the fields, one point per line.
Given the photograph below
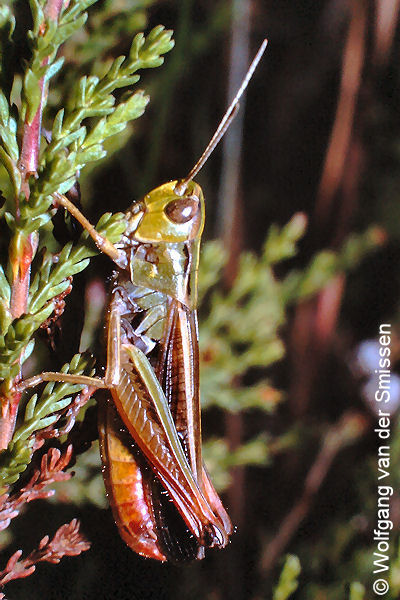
x=290 y=314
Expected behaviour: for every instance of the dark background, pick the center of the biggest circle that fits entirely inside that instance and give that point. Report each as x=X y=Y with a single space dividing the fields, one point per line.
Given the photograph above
x=319 y=134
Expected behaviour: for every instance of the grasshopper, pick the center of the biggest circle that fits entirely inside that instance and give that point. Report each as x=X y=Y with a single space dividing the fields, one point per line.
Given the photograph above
x=163 y=501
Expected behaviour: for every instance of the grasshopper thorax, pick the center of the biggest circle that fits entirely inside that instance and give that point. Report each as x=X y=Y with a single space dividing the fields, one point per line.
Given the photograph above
x=162 y=240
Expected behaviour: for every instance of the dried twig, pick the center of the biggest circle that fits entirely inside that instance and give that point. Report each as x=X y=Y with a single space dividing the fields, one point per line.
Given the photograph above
x=348 y=430
x=316 y=319
x=335 y=160
x=386 y=21
x=69 y=414
x=51 y=470
x=68 y=541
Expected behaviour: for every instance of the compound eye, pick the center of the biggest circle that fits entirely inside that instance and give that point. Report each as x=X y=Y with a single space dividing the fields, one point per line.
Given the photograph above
x=182 y=210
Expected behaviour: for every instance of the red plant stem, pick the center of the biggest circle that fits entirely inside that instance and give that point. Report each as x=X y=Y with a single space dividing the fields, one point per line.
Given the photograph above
x=53 y=9
x=315 y=320
x=28 y=164
x=8 y=416
x=29 y=159
x=230 y=212
x=22 y=250
x=230 y=220
x=335 y=159
x=386 y=18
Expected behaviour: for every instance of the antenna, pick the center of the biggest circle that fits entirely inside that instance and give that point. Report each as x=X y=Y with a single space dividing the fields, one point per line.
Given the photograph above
x=226 y=120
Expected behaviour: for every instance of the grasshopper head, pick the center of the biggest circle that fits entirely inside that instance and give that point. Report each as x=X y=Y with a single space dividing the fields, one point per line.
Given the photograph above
x=166 y=227
x=166 y=216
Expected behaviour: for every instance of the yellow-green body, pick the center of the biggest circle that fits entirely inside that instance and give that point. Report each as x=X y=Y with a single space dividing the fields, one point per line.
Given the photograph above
x=171 y=266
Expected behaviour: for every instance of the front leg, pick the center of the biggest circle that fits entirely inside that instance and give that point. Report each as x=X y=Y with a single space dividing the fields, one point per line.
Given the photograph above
x=103 y=244
x=97 y=382
x=113 y=367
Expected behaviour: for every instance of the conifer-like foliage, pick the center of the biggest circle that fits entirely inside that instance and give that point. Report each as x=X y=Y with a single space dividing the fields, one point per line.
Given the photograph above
x=75 y=138
x=44 y=151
